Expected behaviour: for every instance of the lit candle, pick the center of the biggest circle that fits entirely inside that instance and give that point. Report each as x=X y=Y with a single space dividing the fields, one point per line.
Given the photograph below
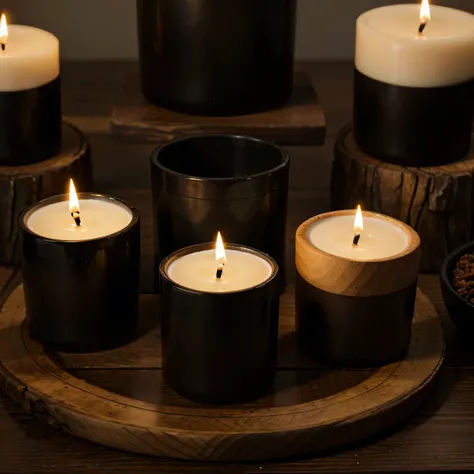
x=238 y=270
x=80 y=266
x=355 y=301
x=100 y=216
x=414 y=78
x=219 y=310
x=30 y=103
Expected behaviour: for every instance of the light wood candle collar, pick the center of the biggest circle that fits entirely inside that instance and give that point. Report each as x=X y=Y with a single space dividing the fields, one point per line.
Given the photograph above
x=347 y=277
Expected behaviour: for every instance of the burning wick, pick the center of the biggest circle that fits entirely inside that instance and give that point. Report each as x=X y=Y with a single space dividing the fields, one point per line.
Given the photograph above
x=425 y=15
x=74 y=204
x=3 y=32
x=220 y=256
x=358 y=226
x=422 y=27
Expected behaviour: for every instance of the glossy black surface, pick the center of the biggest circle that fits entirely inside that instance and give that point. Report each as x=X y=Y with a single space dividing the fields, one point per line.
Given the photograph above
x=413 y=126
x=232 y=184
x=353 y=332
x=30 y=124
x=215 y=57
x=461 y=311
x=81 y=296
x=219 y=348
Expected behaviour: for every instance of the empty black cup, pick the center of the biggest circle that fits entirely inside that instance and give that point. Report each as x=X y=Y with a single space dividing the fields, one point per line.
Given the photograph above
x=233 y=184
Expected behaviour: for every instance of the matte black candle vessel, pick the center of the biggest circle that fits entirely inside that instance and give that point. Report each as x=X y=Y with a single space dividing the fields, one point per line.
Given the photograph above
x=232 y=184
x=217 y=57
x=81 y=295
x=219 y=348
x=352 y=313
x=413 y=126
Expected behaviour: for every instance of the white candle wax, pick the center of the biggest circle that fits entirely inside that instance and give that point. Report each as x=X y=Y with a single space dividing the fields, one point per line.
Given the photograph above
x=99 y=218
x=30 y=59
x=379 y=239
x=197 y=271
x=390 y=49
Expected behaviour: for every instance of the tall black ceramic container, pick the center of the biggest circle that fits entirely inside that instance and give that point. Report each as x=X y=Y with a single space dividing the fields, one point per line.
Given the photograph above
x=81 y=296
x=214 y=57
x=232 y=184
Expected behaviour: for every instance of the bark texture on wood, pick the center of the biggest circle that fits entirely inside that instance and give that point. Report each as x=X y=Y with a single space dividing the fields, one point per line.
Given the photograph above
x=436 y=201
x=22 y=186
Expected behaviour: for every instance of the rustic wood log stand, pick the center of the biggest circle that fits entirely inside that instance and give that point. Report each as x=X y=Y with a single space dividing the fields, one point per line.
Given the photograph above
x=300 y=122
x=310 y=410
x=437 y=201
x=21 y=186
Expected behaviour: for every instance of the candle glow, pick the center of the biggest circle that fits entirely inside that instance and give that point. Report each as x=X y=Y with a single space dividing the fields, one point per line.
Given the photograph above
x=3 y=31
x=73 y=201
x=425 y=15
x=220 y=256
x=358 y=221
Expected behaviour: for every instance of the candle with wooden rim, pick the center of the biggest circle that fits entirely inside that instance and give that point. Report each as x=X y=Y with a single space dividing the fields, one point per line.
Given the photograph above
x=414 y=84
x=80 y=266
x=355 y=297
x=30 y=94
x=219 y=322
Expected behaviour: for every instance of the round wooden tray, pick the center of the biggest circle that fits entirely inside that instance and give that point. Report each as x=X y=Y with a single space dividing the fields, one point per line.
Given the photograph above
x=116 y=398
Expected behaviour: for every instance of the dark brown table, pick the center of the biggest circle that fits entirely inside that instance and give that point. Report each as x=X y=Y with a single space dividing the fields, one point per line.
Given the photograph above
x=440 y=437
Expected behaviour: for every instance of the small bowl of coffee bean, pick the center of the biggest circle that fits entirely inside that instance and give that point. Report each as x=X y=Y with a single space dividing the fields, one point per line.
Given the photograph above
x=457 y=286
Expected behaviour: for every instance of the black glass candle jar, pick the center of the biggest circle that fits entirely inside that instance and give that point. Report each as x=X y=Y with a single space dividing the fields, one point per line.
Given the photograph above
x=234 y=184
x=81 y=295
x=219 y=347
x=30 y=96
x=210 y=57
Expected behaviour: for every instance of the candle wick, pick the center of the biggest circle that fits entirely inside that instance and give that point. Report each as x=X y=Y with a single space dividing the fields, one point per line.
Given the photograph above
x=356 y=239
x=422 y=27
x=77 y=217
x=3 y=46
x=219 y=271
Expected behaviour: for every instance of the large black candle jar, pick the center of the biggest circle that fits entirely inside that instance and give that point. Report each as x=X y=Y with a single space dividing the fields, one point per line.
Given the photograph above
x=414 y=86
x=30 y=98
x=234 y=184
x=214 y=57
x=219 y=323
x=81 y=282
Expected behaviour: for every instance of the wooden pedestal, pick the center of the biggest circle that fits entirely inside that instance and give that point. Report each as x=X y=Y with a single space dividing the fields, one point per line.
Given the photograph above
x=438 y=202
x=117 y=398
x=299 y=122
x=21 y=186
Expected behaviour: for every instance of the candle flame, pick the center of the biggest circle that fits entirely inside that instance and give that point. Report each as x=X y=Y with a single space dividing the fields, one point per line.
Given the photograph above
x=3 y=29
x=73 y=201
x=425 y=12
x=358 y=222
x=220 y=252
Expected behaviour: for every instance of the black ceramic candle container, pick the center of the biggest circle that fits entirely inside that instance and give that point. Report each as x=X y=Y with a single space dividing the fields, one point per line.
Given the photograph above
x=234 y=184
x=355 y=313
x=219 y=348
x=81 y=295
x=414 y=92
x=217 y=58
x=30 y=97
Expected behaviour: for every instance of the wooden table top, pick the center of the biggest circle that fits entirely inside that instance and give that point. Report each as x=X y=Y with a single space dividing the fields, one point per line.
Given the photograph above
x=439 y=437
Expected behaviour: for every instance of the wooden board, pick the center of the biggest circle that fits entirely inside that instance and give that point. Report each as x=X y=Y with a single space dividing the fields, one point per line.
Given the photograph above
x=311 y=410
x=300 y=122
x=22 y=186
x=437 y=201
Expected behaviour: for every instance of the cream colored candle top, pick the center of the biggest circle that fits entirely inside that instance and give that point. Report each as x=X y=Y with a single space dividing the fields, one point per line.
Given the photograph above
x=390 y=49
x=197 y=271
x=379 y=239
x=99 y=218
x=30 y=59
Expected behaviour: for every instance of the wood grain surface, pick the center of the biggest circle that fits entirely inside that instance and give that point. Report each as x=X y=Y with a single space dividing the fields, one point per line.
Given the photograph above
x=326 y=413
x=436 y=201
x=21 y=186
x=300 y=122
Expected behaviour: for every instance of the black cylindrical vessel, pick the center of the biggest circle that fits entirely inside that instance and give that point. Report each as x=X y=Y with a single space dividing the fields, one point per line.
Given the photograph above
x=81 y=296
x=211 y=57
x=413 y=126
x=219 y=348
x=232 y=184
